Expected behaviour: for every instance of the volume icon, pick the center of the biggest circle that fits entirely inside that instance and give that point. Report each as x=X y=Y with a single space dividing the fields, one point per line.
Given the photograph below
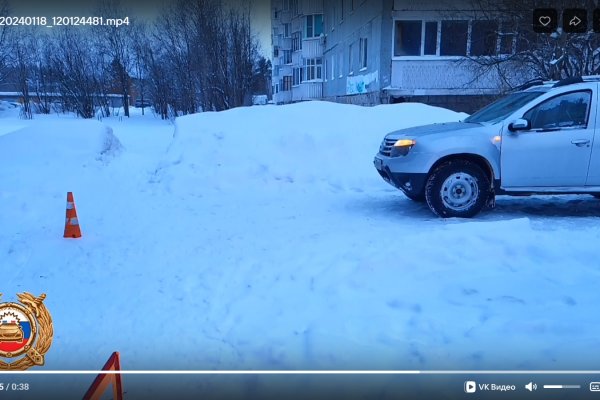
x=531 y=386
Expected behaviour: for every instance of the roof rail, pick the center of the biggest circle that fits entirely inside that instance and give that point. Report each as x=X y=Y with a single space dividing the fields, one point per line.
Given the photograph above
x=568 y=81
x=563 y=82
x=577 y=79
x=530 y=83
x=591 y=78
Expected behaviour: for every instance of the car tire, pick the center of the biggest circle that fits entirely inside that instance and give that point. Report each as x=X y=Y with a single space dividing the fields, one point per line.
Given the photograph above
x=457 y=188
x=417 y=197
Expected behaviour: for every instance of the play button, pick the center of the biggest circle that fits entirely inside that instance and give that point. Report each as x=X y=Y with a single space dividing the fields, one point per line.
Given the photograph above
x=470 y=387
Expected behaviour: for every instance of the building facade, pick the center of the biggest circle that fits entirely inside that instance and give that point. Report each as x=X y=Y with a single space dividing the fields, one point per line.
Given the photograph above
x=383 y=51
x=298 y=44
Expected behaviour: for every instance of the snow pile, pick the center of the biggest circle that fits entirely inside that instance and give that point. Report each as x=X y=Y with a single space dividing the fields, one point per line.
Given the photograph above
x=267 y=240
x=53 y=152
x=317 y=143
x=9 y=114
x=40 y=163
x=5 y=105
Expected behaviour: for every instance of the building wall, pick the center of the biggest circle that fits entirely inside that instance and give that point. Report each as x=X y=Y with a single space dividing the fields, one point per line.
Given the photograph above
x=460 y=103
x=394 y=72
x=285 y=66
x=440 y=77
x=347 y=27
x=438 y=73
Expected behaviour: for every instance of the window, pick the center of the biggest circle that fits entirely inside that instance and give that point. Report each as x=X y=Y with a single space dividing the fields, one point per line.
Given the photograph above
x=296 y=74
x=362 y=56
x=341 y=66
x=341 y=11
x=484 y=37
x=294 y=7
x=567 y=110
x=312 y=69
x=454 y=38
x=431 y=38
x=407 y=39
x=313 y=25
x=286 y=5
x=503 y=107
x=296 y=41
x=287 y=56
x=275 y=51
x=287 y=83
x=507 y=36
x=287 y=30
x=350 y=59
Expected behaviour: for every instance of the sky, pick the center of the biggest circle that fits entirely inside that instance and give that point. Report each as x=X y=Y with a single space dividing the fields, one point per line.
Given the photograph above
x=145 y=10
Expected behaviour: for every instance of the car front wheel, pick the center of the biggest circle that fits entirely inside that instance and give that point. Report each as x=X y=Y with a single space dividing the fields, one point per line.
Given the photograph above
x=457 y=188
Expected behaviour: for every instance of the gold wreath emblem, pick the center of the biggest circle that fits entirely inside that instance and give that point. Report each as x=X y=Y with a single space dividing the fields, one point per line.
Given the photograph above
x=40 y=338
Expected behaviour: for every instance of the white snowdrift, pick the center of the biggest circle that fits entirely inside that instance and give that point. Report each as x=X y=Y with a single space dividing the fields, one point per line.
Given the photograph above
x=9 y=114
x=39 y=164
x=53 y=152
x=305 y=143
x=266 y=240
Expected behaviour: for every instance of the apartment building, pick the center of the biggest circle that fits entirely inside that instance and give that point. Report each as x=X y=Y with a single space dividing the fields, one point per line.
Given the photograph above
x=382 y=51
x=298 y=43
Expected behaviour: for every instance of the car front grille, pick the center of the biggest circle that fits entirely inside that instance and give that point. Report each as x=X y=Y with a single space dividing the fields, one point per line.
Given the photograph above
x=386 y=146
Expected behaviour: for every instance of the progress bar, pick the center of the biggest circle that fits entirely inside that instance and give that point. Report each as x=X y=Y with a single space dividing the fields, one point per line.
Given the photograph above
x=562 y=386
x=309 y=372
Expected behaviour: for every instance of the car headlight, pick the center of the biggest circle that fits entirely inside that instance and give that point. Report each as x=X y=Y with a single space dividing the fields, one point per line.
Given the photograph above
x=402 y=147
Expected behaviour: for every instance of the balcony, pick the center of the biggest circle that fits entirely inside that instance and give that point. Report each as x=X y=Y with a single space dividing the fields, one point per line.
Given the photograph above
x=440 y=76
x=313 y=47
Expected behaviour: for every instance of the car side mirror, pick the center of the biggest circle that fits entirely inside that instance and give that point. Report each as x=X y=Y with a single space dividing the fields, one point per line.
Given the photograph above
x=519 y=124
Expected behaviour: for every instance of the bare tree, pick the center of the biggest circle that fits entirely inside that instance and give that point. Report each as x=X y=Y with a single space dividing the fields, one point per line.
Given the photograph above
x=211 y=54
x=22 y=61
x=116 y=43
x=243 y=55
x=213 y=57
x=141 y=49
x=77 y=70
x=161 y=86
x=43 y=76
x=4 y=51
x=520 y=54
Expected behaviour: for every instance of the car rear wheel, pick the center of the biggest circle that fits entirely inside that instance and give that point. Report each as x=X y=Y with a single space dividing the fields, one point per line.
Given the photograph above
x=457 y=188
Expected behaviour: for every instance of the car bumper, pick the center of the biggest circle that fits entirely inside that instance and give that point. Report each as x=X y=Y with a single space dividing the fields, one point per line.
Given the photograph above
x=409 y=182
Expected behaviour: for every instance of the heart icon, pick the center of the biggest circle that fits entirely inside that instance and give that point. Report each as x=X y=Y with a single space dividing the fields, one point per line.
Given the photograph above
x=545 y=20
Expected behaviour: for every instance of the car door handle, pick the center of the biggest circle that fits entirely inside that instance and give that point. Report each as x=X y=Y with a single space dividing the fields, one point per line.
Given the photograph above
x=580 y=142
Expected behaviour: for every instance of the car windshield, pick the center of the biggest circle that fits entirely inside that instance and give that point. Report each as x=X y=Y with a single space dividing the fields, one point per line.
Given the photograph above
x=500 y=109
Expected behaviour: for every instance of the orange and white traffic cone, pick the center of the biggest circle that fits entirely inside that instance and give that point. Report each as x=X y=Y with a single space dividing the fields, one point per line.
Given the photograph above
x=71 y=223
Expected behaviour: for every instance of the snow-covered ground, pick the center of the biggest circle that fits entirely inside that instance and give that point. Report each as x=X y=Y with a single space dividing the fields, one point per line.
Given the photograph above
x=263 y=238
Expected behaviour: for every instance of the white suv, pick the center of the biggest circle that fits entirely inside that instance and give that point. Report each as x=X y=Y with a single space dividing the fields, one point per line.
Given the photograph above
x=538 y=140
